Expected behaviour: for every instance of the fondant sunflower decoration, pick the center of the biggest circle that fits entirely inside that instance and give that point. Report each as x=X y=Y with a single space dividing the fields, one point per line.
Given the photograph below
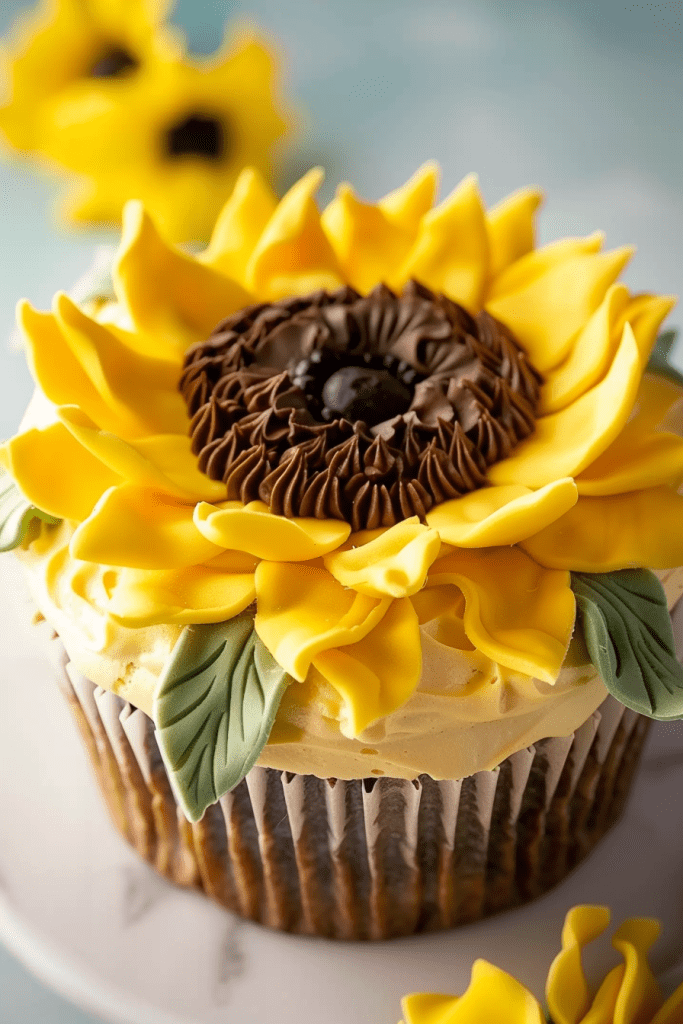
x=66 y=42
x=129 y=115
x=326 y=431
x=629 y=994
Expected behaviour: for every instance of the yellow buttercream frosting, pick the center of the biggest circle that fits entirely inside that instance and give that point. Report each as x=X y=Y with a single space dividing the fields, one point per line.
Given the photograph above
x=439 y=645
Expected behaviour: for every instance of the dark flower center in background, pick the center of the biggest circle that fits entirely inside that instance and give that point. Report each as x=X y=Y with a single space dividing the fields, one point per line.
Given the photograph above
x=364 y=408
x=197 y=134
x=113 y=62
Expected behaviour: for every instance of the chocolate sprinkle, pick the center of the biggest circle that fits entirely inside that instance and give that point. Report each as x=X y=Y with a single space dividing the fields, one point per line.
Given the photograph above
x=364 y=408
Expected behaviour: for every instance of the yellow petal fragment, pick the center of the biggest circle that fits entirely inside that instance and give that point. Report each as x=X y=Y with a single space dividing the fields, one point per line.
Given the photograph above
x=496 y=516
x=511 y=229
x=633 y=462
x=546 y=314
x=368 y=246
x=172 y=298
x=395 y=564
x=450 y=253
x=255 y=529
x=141 y=528
x=240 y=225
x=378 y=674
x=198 y=593
x=140 y=391
x=302 y=610
x=427 y=1008
x=293 y=255
x=639 y=998
x=516 y=612
x=494 y=996
x=567 y=991
x=55 y=473
x=645 y=314
x=564 y=443
x=590 y=356
x=408 y=204
x=162 y=461
x=622 y=531
x=536 y=263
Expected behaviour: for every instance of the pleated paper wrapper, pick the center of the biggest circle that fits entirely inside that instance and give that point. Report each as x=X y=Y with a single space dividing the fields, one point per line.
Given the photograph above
x=368 y=858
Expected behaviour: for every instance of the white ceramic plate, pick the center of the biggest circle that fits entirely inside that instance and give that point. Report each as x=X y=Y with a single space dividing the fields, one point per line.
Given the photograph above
x=95 y=923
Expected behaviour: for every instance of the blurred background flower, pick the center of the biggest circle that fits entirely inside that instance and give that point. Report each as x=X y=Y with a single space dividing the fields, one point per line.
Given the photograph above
x=106 y=91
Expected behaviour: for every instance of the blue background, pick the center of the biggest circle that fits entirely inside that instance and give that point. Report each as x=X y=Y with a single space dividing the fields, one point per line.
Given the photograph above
x=582 y=98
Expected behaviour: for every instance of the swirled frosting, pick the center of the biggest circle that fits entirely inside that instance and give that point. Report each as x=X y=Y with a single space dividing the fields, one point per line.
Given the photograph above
x=369 y=409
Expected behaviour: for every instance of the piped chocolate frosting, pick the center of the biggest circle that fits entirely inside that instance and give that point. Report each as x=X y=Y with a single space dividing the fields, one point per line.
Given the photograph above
x=364 y=408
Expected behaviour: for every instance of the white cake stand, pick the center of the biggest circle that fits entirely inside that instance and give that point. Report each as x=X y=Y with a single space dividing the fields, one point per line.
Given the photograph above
x=95 y=923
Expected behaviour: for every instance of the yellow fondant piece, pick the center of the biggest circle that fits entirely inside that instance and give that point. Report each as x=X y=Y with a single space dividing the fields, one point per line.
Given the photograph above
x=516 y=612
x=535 y=264
x=511 y=229
x=450 y=253
x=566 y=442
x=368 y=245
x=255 y=529
x=567 y=990
x=645 y=314
x=546 y=314
x=620 y=531
x=496 y=516
x=407 y=205
x=141 y=528
x=376 y=675
x=302 y=610
x=293 y=255
x=197 y=593
x=55 y=473
x=639 y=998
x=171 y=298
x=240 y=225
x=395 y=564
x=428 y=1008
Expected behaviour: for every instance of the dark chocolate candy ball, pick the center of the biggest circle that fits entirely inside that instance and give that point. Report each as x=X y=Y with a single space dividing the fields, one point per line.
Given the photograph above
x=362 y=393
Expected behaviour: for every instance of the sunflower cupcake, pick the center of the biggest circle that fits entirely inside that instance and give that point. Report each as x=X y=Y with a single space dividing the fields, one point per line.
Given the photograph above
x=347 y=526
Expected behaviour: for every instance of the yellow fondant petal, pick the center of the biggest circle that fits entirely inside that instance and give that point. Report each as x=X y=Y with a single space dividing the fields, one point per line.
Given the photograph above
x=141 y=528
x=645 y=314
x=511 y=228
x=172 y=299
x=590 y=356
x=293 y=255
x=621 y=531
x=368 y=246
x=254 y=529
x=497 y=516
x=376 y=675
x=197 y=593
x=240 y=225
x=162 y=461
x=140 y=392
x=529 y=268
x=632 y=462
x=395 y=564
x=495 y=996
x=639 y=998
x=546 y=314
x=427 y=1008
x=516 y=612
x=56 y=473
x=567 y=991
x=302 y=611
x=566 y=442
x=450 y=253
x=407 y=205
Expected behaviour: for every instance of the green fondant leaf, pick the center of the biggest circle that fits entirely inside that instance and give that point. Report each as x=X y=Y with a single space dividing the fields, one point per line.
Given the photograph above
x=214 y=707
x=16 y=513
x=628 y=633
x=659 y=361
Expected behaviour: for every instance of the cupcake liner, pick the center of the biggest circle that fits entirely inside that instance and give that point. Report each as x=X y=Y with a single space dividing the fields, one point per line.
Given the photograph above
x=367 y=858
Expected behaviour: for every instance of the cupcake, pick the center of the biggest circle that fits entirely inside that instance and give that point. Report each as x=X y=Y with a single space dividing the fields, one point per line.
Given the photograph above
x=355 y=536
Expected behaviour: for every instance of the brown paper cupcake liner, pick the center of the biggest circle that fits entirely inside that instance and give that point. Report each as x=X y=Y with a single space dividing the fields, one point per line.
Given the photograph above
x=368 y=858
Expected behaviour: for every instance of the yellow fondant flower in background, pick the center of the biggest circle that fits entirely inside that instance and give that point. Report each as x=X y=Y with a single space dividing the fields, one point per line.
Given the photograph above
x=105 y=92
x=345 y=591
x=629 y=994
x=65 y=42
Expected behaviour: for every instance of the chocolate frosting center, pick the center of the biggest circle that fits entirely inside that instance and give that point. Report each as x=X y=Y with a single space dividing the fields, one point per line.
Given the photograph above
x=364 y=408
